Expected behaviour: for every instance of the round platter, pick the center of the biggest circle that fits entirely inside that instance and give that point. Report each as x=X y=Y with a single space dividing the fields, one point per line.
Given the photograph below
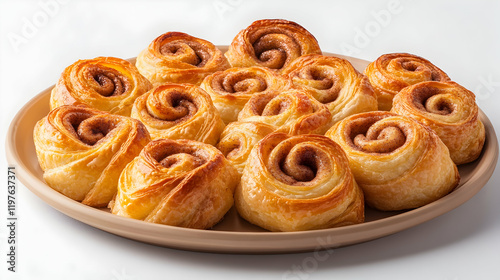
x=233 y=234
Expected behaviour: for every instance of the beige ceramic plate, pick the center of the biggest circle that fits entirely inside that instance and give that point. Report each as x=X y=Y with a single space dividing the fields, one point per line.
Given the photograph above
x=233 y=234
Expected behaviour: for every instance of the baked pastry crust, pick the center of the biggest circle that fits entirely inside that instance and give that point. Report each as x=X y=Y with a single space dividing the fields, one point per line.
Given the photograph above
x=231 y=89
x=176 y=57
x=272 y=43
x=397 y=161
x=292 y=111
x=294 y=183
x=103 y=83
x=179 y=111
x=392 y=72
x=334 y=82
x=238 y=139
x=181 y=183
x=82 y=151
x=450 y=110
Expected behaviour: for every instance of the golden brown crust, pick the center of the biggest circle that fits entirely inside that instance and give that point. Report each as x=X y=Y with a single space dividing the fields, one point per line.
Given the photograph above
x=238 y=139
x=177 y=182
x=82 y=151
x=450 y=110
x=334 y=82
x=179 y=111
x=303 y=182
x=292 y=111
x=103 y=83
x=176 y=57
x=231 y=89
x=390 y=73
x=272 y=43
x=398 y=162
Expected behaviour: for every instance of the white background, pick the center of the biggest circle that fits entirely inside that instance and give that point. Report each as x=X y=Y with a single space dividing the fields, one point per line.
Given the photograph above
x=38 y=39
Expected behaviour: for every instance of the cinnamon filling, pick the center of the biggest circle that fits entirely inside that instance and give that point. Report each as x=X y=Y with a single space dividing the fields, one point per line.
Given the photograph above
x=109 y=81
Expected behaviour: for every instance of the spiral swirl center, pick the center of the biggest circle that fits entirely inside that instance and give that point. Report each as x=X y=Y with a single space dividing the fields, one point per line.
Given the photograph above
x=188 y=52
x=322 y=79
x=300 y=164
x=174 y=155
x=109 y=81
x=90 y=129
x=171 y=106
x=274 y=50
x=276 y=106
x=381 y=137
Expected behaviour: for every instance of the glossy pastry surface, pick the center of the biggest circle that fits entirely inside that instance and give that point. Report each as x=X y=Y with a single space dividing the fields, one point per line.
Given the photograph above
x=231 y=89
x=177 y=182
x=82 y=151
x=334 y=82
x=397 y=161
x=292 y=111
x=238 y=139
x=450 y=110
x=293 y=183
x=390 y=73
x=179 y=111
x=272 y=43
x=176 y=57
x=103 y=83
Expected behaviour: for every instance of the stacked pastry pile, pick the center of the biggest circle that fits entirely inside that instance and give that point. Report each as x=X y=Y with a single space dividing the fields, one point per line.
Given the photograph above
x=294 y=139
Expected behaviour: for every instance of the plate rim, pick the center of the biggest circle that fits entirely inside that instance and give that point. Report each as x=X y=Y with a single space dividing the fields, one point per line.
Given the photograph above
x=249 y=242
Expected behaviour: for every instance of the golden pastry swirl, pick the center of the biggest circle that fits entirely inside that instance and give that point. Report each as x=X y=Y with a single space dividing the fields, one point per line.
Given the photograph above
x=231 y=89
x=272 y=43
x=390 y=73
x=334 y=82
x=450 y=110
x=82 y=151
x=177 y=57
x=103 y=83
x=177 y=182
x=292 y=111
x=294 y=183
x=179 y=111
x=238 y=139
x=398 y=162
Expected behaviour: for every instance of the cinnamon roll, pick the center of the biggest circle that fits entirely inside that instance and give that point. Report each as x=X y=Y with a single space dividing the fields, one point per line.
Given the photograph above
x=334 y=82
x=181 y=183
x=238 y=139
x=103 y=83
x=390 y=73
x=179 y=111
x=176 y=57
x=82 y=151
x=294 y=183
x=292 y=111
x=272 y=43
x=450 y=110
x=231 y=89
x=397 y=161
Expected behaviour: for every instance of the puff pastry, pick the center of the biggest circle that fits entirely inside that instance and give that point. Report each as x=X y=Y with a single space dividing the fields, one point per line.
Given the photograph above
x=177 y=57
x=450 y=110
x=292 y=111
x=397 y=161
x=103 y=83
x=179 y=111
x=82 y=151
x=390 y=73
x=177 y=182
x=231 y=89
x=238 y=139
x=334 y=82
x=272 y=43
x=294 y=183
